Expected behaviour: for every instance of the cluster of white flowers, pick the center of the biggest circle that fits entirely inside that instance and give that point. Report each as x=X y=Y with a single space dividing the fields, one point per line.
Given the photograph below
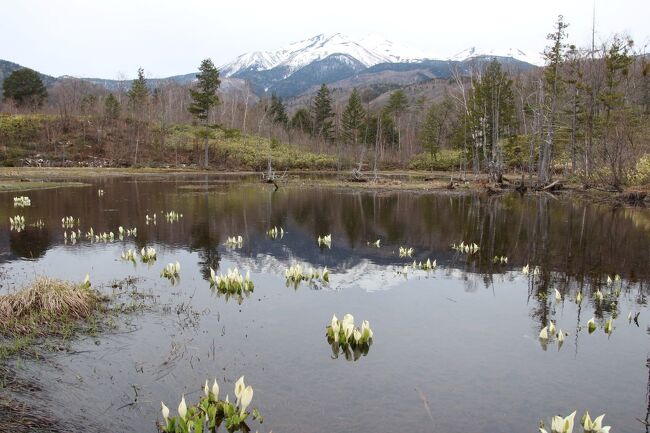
x=22 y=201
x=234 y=241
x=17 y=223
x=325 y=240
x=465 y=248
x=231 y=282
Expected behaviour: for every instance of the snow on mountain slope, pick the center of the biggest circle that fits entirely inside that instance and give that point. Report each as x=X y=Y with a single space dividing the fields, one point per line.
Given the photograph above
x=394 y=53
x=515 y=53
x=370 y=51
x=256 y=60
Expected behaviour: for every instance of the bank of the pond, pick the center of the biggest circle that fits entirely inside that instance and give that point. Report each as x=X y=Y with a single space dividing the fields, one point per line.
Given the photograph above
x=34 y=178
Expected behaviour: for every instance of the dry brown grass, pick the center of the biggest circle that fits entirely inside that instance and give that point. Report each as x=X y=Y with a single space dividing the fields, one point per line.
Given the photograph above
x=45 y=305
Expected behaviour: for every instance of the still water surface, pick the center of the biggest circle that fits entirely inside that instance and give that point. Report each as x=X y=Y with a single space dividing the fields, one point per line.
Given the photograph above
x=455 y=350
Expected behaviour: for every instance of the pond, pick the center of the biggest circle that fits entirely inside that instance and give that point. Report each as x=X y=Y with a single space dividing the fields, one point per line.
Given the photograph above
x=455 y=349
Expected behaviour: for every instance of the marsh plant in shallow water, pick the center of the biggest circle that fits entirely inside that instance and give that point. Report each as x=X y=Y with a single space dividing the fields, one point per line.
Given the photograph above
x=406 y=252
x=148 y=254
x=427 y=266
x=173 y=216
x=172 y=272
x=129 y=255
x=550 y=333
x=17 y=223
x=465 y=248
x=500 y=260
x=234 y=241
x=275 y=233
x=232 y=282
x=344 y=337
x=376 y=243
x=210 y=412
x=150 y=219
x=100 y=192
x=526 y=270
x=122 y=232
x=22 y=201
x=295 y=274
x=325 y=241
x=39 y=224
x=566 y=424
x=69 y=222
x=72 y=237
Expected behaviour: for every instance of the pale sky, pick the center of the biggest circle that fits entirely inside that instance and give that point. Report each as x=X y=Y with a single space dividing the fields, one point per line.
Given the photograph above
x=93 y=38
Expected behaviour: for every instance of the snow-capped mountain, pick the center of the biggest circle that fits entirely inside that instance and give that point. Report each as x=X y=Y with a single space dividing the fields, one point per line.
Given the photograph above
x=368 y=51
x=514 y=53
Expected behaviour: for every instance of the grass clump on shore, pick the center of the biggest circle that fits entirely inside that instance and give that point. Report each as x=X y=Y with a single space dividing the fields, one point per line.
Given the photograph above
x=48 y=307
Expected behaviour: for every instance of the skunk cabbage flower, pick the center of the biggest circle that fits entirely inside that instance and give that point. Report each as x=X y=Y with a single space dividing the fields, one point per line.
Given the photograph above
x=609 y=326
x=595 y=426
x=560 y=336
x=558 y=295
x=206 y=389
x=239 y=387
x=215 y=389
x=366 y=332
x=591 y=324
x=562 y=425
x=357 y=335
x=348 y=328
x=551 y=327
x=579 y=297
x=525 y=270
x=336 y=325
x=543 y=334
x=246 y=398
x=182 y=408
x=165 y=411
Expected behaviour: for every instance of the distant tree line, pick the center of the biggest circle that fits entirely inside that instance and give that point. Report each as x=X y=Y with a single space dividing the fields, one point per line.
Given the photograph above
x=585 y=114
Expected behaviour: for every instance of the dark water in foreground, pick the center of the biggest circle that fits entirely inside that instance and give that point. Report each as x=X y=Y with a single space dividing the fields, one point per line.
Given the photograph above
x=455 y=350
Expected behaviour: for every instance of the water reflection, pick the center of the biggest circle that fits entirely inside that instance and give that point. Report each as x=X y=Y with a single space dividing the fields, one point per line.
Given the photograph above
x=472 y=325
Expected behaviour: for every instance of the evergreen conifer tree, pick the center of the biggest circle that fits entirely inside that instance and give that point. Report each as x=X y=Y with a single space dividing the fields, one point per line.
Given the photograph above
x=353 y=118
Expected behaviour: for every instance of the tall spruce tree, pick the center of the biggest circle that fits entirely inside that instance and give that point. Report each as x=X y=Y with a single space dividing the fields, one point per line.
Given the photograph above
x=138 y=99
x=397 y=104
x=277 y=111
x=111 y=107
x=302 y=120
x=435 y=127
x=323 y=114
x=204 y=98
x=353 y=118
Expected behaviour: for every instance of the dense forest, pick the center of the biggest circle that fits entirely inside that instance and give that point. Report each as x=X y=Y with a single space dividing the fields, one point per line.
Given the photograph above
x=584 y=115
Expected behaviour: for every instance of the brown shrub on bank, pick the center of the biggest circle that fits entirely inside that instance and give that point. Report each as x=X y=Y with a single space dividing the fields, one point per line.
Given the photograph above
x=45 y=305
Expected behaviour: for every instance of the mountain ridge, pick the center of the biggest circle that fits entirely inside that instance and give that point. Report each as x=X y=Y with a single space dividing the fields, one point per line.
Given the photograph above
x=299 y=67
